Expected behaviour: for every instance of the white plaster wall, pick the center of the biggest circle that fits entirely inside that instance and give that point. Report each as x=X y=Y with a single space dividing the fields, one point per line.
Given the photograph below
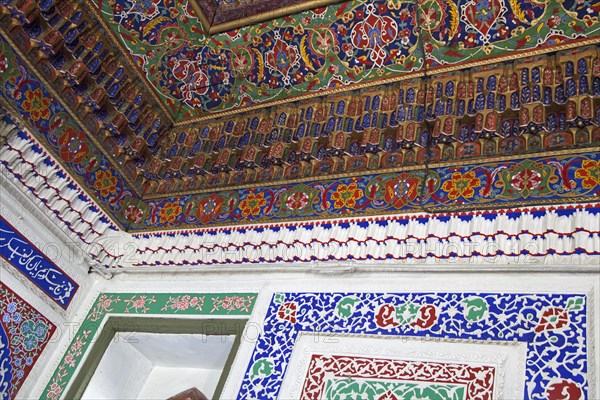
x=158 y=366
x=121 y=374
x=183 y=351
x=164 y=382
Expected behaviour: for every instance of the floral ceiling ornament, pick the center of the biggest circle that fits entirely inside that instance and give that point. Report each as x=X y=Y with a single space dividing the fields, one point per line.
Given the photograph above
x=252 y=205
x=282 y=58
x=590 y=173
x=209 y=208
x=402 y=190
x=145 y=9
x=105 y=183
x=297 y=201
x=346 y=195
x=322 y=41
x=193 y=81
x=461 y=185
x=483 y=16
x=440 y=19
x=527 y=178
x=73 y=146
x=375 y=33
x=134 y=214
x=169 y=212
x=36 y=104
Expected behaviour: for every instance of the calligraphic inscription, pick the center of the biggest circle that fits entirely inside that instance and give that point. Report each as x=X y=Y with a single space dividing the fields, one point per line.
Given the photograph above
x=32 y=263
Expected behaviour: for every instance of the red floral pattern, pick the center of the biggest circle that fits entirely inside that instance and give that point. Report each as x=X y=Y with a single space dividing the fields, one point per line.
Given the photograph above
x=553 y=318
x=402 y=190
x=375 y=33
x=133 y=214
x=105 y=183
x=590 y=173
x=36 y=104
x=385 y=316
x=209 y=208
x=461 y=185
x=564 y=390
x=287 y=312
x=426 y=317
x=282 y=58
x=73 y=146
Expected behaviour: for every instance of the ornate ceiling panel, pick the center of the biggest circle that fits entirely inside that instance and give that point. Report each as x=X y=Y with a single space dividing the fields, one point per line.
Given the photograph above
x=391 y=127
x=224 y=15
x=340 y=47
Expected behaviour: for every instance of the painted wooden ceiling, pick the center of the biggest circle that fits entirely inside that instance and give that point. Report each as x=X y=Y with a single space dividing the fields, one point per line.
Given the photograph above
x=364 y=106
x=224 y=15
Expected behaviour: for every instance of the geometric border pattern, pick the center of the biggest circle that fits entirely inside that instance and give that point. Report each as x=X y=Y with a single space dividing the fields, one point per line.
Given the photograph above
x=479 y=380
x=524 y=235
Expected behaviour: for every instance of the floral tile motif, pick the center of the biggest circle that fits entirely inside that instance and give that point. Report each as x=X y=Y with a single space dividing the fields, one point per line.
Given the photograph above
x=239 y=304
x=24 y=333
x=502 y=184
x=553 y=326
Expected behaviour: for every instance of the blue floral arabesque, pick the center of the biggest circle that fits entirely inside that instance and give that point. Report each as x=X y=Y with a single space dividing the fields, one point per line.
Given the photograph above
x=509 y=317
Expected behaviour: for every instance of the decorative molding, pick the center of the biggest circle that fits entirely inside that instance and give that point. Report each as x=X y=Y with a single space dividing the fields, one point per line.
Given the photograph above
x=526 y=236
x=58 y=197
x=475 y=381
x=459 y=237
x=555 y=322
x=453 y=237
x=143 y=304
x=534 y=175
x=503 y=355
